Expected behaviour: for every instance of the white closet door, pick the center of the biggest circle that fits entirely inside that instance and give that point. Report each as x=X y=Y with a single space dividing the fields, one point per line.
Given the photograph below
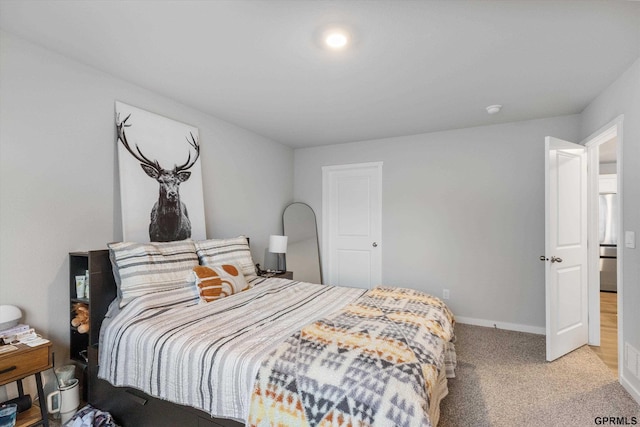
x=352 y=211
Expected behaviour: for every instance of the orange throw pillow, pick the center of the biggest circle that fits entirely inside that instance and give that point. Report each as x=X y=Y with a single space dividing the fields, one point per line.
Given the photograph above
x=218 y=281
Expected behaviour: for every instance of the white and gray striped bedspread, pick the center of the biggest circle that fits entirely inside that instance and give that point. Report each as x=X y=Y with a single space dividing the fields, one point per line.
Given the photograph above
x=207 y=355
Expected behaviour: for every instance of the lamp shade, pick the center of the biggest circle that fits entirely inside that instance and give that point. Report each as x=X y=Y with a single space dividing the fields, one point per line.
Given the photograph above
x=278 y=244
x=10 y=315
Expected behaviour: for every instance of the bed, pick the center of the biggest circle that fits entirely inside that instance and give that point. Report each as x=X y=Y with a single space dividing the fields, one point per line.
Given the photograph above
x=281 y=352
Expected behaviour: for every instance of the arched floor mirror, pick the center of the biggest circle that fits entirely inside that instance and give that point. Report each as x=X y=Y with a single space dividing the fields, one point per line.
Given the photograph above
x=303 y=250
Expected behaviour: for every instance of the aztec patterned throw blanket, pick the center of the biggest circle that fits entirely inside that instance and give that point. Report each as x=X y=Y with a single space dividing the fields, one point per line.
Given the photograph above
x=374 y=363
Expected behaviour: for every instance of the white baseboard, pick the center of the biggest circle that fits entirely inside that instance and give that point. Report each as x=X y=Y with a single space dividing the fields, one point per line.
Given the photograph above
x=634 y=392
x=501 y=325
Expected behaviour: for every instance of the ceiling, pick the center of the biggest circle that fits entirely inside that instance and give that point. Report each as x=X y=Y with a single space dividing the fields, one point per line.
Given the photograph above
x=412 y=67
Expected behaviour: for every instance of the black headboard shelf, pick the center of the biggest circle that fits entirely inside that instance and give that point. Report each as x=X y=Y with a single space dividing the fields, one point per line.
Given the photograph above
x=102 y=286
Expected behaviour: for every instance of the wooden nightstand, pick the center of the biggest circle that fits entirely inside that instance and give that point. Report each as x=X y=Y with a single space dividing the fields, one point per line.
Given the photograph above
x=21 y=363
x=285 y=275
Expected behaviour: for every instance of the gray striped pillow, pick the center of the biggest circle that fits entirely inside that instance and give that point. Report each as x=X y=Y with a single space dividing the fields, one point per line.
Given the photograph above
x=214 y=252
x=141 y=268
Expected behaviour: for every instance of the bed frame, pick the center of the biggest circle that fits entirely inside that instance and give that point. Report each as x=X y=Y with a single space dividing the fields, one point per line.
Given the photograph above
x=128 y=406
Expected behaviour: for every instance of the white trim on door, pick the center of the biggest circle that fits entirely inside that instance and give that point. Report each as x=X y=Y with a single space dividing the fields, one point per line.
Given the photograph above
x=592 y=142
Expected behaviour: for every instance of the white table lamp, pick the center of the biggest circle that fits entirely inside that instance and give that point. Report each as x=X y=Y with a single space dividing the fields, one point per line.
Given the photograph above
x=278 y=245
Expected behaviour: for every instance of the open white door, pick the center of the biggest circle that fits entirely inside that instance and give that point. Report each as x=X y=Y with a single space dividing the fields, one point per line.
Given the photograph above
x=565 y=247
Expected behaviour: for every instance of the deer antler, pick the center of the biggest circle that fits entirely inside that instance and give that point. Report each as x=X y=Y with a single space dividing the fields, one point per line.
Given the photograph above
x=189 y=163
x=120 y=125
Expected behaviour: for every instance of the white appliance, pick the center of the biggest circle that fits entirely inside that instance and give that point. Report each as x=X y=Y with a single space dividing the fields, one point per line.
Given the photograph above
x=65 y=400
x=608 y=233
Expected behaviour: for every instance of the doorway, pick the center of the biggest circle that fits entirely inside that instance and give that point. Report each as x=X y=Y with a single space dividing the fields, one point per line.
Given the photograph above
x=352 y=224
x=562 y=308
x=605 y=227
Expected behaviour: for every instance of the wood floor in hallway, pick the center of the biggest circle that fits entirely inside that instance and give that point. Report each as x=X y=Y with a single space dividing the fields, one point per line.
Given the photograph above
x=608 y=350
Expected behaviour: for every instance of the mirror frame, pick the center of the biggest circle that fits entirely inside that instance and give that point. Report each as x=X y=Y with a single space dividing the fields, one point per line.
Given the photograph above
x=315 y=221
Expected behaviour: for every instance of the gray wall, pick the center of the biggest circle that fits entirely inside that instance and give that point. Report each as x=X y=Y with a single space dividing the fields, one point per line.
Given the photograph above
x=623 y=97
x=462 y=210
x=58 y=176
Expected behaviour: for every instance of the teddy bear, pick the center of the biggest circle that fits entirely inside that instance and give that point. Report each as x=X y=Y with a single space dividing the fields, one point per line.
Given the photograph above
x=81 y=321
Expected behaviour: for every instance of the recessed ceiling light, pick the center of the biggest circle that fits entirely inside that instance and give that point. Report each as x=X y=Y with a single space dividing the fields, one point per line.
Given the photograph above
x=336 y=39
x=494 y=109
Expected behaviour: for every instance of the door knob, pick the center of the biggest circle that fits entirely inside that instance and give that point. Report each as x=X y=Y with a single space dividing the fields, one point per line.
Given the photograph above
x=543 y=258
x=375 y=244
x=556 y=259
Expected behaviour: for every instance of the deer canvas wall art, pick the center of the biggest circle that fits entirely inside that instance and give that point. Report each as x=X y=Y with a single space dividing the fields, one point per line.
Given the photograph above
x=160 y=177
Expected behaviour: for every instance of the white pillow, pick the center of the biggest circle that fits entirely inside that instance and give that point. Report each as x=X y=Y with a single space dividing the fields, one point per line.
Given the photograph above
x=141 y=268
x=236 y=251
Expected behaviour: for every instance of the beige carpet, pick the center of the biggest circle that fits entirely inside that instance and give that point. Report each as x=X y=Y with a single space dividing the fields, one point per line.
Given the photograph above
x=503 y=380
